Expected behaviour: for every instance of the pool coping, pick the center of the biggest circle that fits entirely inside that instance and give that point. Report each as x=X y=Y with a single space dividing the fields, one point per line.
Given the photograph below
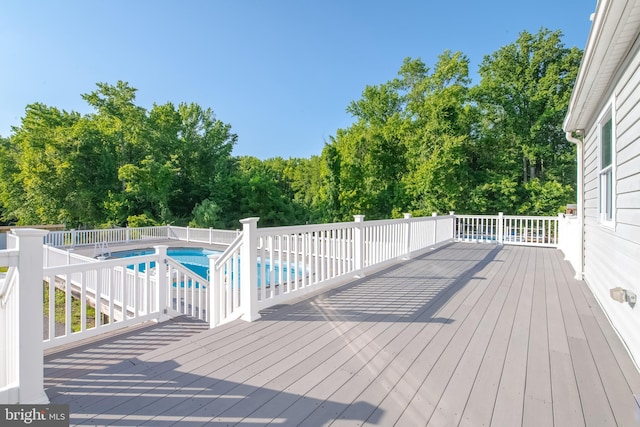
x=88 y=251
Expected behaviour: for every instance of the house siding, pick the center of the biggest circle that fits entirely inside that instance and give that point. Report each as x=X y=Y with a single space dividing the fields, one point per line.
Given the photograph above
x=612 y=254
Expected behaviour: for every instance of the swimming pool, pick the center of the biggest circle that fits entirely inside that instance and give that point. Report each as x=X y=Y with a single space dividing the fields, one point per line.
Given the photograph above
x=196 y=260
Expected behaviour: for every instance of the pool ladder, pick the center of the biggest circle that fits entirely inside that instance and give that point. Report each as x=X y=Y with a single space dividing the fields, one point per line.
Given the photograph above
x=101 y=250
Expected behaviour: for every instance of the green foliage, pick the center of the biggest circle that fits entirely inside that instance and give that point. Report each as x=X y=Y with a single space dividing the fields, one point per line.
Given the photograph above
x=206 y=214
x=259 y=190
x=423 y=141
x=522 y=100
x=427 y=141
x=546 y=198
x=120 y=162
x=142 y=220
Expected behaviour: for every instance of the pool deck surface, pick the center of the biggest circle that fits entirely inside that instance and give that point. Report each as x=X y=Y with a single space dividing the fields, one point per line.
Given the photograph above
x=465 y=335
x=90 y=251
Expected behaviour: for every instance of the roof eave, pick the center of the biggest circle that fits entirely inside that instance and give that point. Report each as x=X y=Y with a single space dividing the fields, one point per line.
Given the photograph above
x=612 y=34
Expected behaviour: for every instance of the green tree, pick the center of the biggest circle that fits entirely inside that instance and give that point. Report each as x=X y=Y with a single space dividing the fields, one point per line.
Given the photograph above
x=304 y=180
x=437 y=132
x=424 y=141
x=256 y=192
x=39 y=186
x=9 y=191
x=121 y=122
x=118 y=163
x=207 y=214
x=168 y=159
x=147 y=186
x=202 y=148
x=522 y=99
x=329 y=208
x=364 y=163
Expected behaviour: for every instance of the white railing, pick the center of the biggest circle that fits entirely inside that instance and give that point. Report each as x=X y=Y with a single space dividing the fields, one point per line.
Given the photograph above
x=507 y=229
x=9 y=356
x=111 y=294
x=188 y=293
x=478 y=228
x=432 y=230
x=287 y=262
x=278 y=265
x=291 y=260
x=389 y=240
x=570 y=241
x=209 y=236
x=78 y=238
x=224 y=271
x=101 y=239
x=116 y=295
x=53 y=257
x=21 y=352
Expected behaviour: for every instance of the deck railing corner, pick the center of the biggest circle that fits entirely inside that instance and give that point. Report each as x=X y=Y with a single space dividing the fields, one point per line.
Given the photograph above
x=22 y=361
x=358 y=249
x=162 y=283
x=249 y=269
x=570 y=241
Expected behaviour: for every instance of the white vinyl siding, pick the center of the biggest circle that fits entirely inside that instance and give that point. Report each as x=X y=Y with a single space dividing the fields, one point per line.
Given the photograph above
x=612 y=208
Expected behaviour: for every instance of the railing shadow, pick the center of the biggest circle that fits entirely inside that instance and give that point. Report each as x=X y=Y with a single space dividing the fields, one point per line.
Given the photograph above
x=411 y=291
x=192 y=386
x=96 y=354
x=135 y=392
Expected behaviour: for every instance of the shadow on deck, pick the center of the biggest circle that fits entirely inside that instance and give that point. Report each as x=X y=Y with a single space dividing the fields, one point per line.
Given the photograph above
x=468 y=334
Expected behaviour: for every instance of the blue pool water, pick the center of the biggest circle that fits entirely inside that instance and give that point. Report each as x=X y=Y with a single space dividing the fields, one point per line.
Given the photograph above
x=196 y=260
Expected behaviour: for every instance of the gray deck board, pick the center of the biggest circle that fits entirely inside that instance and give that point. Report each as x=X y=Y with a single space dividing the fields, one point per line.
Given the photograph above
x=481 y=401
x=613 y=361
x=468 y=334
x=373 y=368
x=538 y=409
x=467 y=318
x=509 y=403
x=567 y=408
x=455 y=397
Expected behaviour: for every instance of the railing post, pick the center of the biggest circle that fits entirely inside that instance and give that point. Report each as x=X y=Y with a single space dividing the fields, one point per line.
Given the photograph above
x=30 y=328
x=452 y=214
x=435 y=229
x=210 y=235
x=358 y=250
x=162 y=282
x=500 y=228
x=73 y=238
x=407 y=235
x=187 y=233
x=214 y=291
x=556 y=232
x=249 y=269
x=128 y=234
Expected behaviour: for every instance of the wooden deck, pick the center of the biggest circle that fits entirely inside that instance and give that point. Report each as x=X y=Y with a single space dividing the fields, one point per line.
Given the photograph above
x=468 y=335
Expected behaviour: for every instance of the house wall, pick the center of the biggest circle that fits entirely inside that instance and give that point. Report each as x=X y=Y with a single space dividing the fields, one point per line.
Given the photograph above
x=612 y=254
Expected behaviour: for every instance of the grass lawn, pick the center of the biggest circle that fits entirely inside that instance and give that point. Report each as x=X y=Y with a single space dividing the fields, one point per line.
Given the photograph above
x=75 y=310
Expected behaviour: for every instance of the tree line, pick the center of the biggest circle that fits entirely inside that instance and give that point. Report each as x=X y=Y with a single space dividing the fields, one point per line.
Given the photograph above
x=425 y=141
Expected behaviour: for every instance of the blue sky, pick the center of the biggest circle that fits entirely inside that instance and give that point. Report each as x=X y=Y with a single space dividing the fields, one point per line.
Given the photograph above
x=281 y=73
